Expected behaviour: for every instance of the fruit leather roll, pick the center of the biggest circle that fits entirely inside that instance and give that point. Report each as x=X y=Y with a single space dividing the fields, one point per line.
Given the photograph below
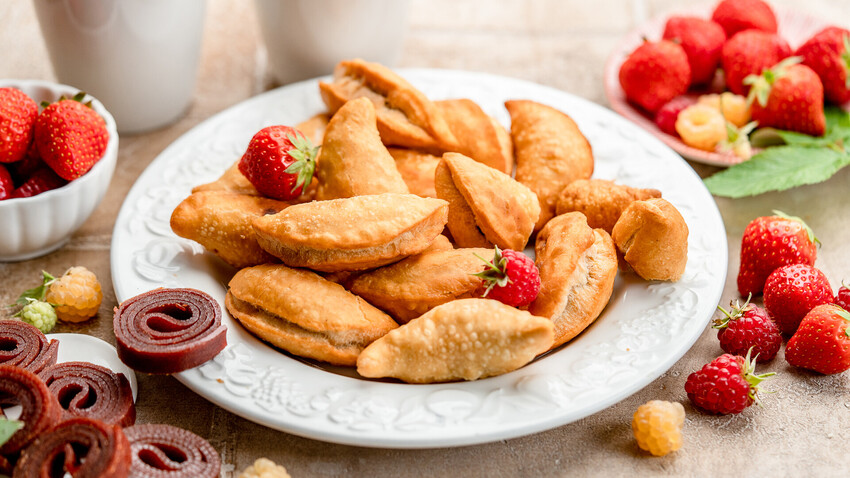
x=171 y=451
x=169 y=330
x=88 y=390
x=39 y=409
x=25 y=346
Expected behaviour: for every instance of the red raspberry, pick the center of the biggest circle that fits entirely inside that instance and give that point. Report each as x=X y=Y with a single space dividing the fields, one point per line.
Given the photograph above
x=747 y=327
x=842 y=298
x=7 y=187
x=511 y=278
x=725 y=385
x=666 y=117
x=41 y=180
x=791 y=291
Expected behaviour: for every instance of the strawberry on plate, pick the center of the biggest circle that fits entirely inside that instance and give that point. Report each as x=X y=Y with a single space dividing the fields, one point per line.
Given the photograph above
x=828 y=54
x=17 y=117
x=655 y=73
x=770 y=242
x=702 y=41
x=788 y=96
x=749 y=53
x=791 y=291
x=727 y=384
x=748 y=327
x=70 y=136
x=822 y=342
x=738 y=15
x=279 y=162
x=511 y=278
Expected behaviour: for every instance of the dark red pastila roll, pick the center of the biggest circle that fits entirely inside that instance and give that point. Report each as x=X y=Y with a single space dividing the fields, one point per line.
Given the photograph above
x=39 y=408
x=160 y=448
x=88 y=390
x=81 y=447
x=25 y=346
x=169 y=330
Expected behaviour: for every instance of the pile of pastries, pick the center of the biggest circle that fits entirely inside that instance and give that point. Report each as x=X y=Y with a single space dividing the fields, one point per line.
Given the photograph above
x=372 y=266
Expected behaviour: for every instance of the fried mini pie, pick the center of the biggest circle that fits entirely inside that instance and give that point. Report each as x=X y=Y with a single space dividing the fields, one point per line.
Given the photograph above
x=465 y=339
x=362 y=232
x=486 y=206
x=417 y=170
x=233 y=181
x=577 y=266
x=653 y=238
x=550 y=152
x=601 y=201
x=409 y=288
x=480 y=137
x=222 y=222
x=352 y=160
x=304 y=314
x=406 y=117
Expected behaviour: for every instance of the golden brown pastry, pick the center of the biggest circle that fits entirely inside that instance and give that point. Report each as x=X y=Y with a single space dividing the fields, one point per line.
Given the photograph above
x=417 y=170
x=221 y=222
x=600 y=200
x=231 y=181
x=479 y=136
x=362 y=232
x=550 y=152
x=577 y=266
x=409 y=288
x=464 y=339
x=653 y=238
x=486 y=206
x=298 y=311
x=406 y=117
x=314 y=127
x=353 y=161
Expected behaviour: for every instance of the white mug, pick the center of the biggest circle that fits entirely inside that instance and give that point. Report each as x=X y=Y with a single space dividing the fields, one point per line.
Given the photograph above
x=139 y=57
x=307 y=38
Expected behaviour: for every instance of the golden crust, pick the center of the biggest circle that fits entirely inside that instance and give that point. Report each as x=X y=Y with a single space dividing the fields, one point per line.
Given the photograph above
x=653 y=237
x=417 y=170
x=577 y=266
x=409 y=288
x=362 y=232
x=231 y=181
x=480 y=137
x=300 y=312
x=461 y=220
x=406 y=117
x=601 y=201
x=314 y=127
x=550 y=150
x=221 y=222
x=353 y=161
x=503 y=210
x=465 y=339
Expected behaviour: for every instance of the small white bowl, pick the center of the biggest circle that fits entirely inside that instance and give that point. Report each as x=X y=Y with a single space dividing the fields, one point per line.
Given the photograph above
x=37 y=225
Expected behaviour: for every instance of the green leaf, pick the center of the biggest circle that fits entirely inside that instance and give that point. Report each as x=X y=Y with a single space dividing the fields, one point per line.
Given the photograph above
x=777 y=169
x=36 y=293
x=8 y=428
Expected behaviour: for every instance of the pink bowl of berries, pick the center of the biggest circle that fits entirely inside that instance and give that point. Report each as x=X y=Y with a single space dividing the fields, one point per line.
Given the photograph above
x=58 y=149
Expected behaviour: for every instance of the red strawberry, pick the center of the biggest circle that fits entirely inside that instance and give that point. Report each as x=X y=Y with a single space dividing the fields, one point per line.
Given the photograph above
x=666 y=117
x=842 y=297
x=738 y=15
x=279 y=162
x=727 y=384
x=71 y=137
x=7 y=186
x=788 y=96
x=702 y=41
x=770 y=242
x=43 y=179
x=748 y=327
x=511 y=278
x=748 y=53
x=828 y=54
x=822 y=343
x=791 y=291
x=655 y=73
x=17 y=117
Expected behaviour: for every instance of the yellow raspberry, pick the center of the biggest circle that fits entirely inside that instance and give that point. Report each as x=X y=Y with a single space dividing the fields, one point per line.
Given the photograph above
x=264 y=468
x=76 y=295
x=657 y=426
x=735 y=107
x=701 y=127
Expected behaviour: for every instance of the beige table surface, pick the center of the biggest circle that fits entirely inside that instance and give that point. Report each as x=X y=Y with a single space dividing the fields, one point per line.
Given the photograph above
x=804 y=428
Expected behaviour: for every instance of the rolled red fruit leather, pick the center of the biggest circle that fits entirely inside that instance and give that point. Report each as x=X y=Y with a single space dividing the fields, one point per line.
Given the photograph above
x=39 y=408
x=169 y=330
x=84 y=389
x=23 y=345
x=80 y=447
x=158 y=449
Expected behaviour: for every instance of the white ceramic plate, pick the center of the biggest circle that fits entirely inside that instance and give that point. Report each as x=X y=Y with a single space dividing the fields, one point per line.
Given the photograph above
x=644 y=330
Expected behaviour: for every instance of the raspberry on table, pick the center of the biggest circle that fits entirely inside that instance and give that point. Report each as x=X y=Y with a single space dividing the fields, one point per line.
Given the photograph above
x=701 y=126
x=39 y=314
x=657 y=426
x=748 y=327
x=727 y=384
x=76 y=295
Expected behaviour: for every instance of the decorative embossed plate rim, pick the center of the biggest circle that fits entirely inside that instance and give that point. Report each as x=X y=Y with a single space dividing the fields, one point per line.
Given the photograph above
x=646 y=327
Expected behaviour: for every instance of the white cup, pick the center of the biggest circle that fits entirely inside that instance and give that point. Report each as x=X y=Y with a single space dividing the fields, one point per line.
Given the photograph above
x=307 y=38
x=139 y=57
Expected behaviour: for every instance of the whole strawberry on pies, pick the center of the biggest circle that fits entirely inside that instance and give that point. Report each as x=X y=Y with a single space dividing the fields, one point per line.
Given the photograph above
x=279 y=162
x=655 y=73
x=511 y=278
